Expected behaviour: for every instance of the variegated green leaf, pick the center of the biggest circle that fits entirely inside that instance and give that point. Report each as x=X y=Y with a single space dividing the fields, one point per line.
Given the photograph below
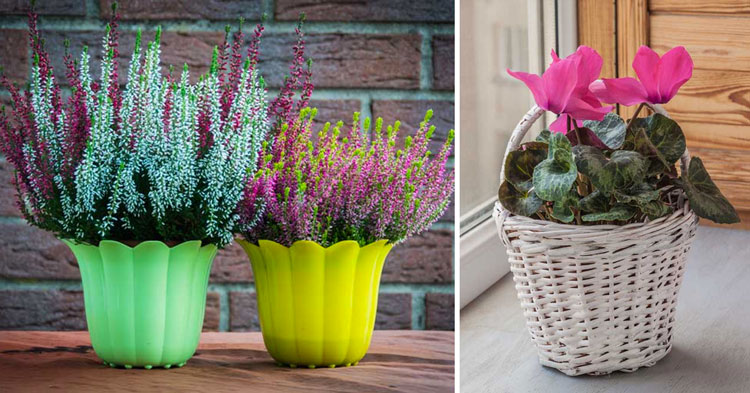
x=611 y=130
x=562 y=209
x=617 y=213
x=705 y=198
x=520 y=164
x=544 y=136
x=656 y=209
x=639 y=194
x=554 y=176
x=621 y=170
x=596 y=202
x=666 y=135
x=524 y=203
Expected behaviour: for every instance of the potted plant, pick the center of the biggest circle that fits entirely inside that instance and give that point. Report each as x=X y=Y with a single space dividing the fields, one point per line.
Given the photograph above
x=323 y=212
x=596 y=217
x=141 y=183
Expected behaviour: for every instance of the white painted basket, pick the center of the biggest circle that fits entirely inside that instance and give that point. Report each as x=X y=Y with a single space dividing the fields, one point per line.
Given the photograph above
x=597 y=298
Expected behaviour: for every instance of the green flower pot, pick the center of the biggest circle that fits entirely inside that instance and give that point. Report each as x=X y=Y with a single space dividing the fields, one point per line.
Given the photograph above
x=144 y=304
x=317 y=305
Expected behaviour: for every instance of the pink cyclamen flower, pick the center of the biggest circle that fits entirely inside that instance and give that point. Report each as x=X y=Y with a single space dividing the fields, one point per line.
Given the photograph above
x=658 y=78
x=564 y=87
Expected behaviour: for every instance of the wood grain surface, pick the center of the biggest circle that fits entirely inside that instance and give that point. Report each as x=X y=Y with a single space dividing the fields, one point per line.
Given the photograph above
x=632 y=32
x=398 y=361
x=599 y=31
x=714 y=42
x=701 y=6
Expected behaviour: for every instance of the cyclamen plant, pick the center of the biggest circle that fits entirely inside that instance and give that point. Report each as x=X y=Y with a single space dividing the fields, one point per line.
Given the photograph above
x=593 y=168
x=163 y=159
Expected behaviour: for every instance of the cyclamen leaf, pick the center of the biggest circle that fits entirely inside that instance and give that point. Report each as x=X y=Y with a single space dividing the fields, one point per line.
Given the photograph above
x=520 y=164
x=621 y=170
x=561 y=209
x=596 y=202
x=617 y=213
x=544 y=136
x=705 y=198
x=666 y=135
x=554 y=176
x=587 y=138
x=524 y=203
x=658 y=138
x=610 y=131
x=656 y=209
x=639 y=194
x=637 y=140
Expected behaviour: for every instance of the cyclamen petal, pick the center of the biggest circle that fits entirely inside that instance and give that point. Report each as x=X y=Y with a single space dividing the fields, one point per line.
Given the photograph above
x=561 y=124
x=646 y=65
x=564 y=86
x=659 y=79
x=625 y=91
x=559 y=84
x=535 y=84
x=675 y=68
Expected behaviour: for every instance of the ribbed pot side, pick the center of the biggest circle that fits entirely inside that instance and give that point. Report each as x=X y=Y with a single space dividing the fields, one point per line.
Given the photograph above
x=144 y=304
x=317 y=305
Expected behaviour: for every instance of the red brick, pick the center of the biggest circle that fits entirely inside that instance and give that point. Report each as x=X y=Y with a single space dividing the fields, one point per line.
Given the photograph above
x=30 y=253
x=177 y=48
x=439 y=309
x=369 y=11
x=184 y=9
x=213 y=312
x=44 y=7
x=394 y=311
x=231 y=265
x=64 y=310
x=14 y=56
x=41 y=310
x=443 y=62
x=347 y=60
x=8 y=198
x=243 y=315
x=426 y=258
x=411 y=112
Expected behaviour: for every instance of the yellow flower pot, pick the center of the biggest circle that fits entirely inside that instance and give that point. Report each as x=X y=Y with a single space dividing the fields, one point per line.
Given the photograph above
x=317 y=305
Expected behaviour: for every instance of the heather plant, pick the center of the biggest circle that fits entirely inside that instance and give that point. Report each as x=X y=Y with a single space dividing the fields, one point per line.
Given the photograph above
x=592 y=167
x=353 y=184
x=162 y=159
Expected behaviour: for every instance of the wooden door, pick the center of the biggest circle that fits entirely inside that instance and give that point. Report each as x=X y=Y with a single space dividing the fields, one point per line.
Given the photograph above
x=713 y=108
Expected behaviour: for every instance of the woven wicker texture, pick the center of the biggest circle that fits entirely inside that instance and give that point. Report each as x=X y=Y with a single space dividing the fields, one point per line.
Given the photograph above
x=598 y=298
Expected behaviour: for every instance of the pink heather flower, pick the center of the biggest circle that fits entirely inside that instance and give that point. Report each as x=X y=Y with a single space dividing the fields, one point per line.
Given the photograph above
x=356 y=185
x=564 y=87
x=659 y=79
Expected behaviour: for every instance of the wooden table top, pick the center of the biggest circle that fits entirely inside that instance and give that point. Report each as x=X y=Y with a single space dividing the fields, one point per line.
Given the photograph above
x=409 y=361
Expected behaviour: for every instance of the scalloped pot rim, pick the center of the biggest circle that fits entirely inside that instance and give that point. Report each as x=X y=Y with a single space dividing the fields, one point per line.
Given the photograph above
x=310 y=243
x=142 y=244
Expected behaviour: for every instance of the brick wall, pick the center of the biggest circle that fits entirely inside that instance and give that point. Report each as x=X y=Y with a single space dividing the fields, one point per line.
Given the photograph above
x=387 y=58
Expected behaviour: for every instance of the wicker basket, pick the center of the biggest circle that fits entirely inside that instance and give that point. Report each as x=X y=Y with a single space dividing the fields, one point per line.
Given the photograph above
x=598 y=298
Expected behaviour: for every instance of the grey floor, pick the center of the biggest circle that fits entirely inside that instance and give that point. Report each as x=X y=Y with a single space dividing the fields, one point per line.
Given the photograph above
x=711 y=347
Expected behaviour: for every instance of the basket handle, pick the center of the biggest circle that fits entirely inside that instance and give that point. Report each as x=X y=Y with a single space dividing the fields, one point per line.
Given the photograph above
x=536 y=112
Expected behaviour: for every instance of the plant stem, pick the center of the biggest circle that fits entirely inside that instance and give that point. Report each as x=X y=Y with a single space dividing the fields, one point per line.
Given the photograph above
x=635 y=115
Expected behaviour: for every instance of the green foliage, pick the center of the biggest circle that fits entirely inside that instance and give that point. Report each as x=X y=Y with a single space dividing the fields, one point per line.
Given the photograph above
x=621 y=170
x=615 y=174
x=705 y=198
x=611 y=130
x=554 y=176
